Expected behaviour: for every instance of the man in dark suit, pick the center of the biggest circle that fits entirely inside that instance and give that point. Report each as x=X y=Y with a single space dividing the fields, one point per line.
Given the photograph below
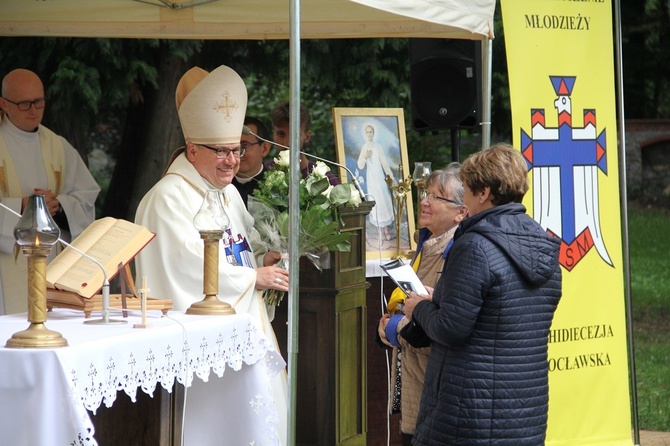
x=251 y=164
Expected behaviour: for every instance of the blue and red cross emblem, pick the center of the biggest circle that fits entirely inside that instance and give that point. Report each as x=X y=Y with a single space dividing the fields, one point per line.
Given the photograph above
x=565 y=161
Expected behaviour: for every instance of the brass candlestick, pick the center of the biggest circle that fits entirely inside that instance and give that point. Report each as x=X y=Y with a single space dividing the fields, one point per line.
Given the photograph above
x=211 y=221
x=210 y=282
x=37 y=335
x=36 y=232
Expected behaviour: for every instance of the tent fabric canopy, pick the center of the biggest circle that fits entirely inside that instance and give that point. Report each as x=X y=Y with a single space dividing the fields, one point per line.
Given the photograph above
x=247 y=19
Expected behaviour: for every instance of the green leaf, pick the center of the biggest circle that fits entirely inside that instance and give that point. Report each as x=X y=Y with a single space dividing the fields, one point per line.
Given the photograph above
x=282 y=224
x=320 y=200
x=315 y=187
x=340 y=194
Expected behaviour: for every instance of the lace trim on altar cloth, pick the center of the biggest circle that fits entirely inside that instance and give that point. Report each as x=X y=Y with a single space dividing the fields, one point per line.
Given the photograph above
x=98 y=382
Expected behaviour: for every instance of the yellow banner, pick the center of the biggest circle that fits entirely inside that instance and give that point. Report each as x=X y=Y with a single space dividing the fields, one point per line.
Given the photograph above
x=561 y=75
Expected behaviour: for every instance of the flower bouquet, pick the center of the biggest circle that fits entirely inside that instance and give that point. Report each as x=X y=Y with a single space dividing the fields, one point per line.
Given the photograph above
x=319 y=217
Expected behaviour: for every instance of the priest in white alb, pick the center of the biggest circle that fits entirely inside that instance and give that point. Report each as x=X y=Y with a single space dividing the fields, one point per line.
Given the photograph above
x=211 y=108
x=34 y=160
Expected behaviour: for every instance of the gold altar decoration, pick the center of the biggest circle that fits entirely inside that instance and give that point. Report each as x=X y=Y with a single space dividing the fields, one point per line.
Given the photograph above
x=36 y=233
x=211 y=221
x=399 y=192
x=421 y=173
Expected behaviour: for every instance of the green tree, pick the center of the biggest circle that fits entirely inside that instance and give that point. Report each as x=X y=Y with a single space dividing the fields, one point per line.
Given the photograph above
x=118 y=94
x=645 y=34
x=98 y=87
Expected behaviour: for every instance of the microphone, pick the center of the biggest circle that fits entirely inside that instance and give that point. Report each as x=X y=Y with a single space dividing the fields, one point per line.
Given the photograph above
x=247 y=131
x=105 y=284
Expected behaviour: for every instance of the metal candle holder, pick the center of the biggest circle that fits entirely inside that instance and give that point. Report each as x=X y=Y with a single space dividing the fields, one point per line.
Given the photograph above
x=210 y=221
x=36 y=233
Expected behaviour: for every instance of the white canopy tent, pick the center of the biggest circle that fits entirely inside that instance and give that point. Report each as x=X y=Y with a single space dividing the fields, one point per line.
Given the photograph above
x=247 y=19
x=262 y=20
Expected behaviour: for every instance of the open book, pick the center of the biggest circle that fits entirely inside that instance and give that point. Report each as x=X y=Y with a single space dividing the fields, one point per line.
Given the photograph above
x=107 y=240
x=404 y=276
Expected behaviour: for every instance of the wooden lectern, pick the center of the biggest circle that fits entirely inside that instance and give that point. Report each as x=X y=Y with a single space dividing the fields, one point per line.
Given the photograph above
x=331 y=406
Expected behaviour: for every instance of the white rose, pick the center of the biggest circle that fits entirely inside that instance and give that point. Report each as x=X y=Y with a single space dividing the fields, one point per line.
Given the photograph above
x=320 y=169
x=282 y=158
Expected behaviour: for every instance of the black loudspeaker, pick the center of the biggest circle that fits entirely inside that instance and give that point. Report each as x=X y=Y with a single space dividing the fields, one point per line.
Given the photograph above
x=445 y=80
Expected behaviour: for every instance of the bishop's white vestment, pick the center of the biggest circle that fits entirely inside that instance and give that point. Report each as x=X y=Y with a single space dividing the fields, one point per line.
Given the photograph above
x=173 y=261
x=43 y=160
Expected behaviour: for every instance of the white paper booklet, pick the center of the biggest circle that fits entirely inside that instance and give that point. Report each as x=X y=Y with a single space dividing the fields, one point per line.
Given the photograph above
x=404 y=276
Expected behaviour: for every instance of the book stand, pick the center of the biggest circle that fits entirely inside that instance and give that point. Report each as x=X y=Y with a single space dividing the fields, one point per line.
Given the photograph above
x=123 y=301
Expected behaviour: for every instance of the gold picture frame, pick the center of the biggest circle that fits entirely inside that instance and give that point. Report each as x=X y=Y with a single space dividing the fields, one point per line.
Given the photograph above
x=367 y=155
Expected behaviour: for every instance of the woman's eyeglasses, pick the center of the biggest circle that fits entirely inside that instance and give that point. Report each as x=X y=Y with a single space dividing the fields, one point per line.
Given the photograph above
x=431 y=197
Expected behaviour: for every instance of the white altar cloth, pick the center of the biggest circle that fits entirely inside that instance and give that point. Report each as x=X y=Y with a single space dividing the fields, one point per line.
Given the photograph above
x=45 y=393
x=373 y=268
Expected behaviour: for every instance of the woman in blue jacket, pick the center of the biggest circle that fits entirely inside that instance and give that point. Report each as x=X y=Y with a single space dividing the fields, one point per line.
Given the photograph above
x=489 y=316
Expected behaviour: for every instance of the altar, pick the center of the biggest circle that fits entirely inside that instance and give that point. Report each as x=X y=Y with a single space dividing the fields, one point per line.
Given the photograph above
x=225 y=363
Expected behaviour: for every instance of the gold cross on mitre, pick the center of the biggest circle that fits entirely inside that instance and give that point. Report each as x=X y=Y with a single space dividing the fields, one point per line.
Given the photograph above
x=226 y=105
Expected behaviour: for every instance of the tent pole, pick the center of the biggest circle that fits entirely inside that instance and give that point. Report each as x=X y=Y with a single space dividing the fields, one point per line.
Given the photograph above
x=294 y=218
x=623 y=197
x=487 y=57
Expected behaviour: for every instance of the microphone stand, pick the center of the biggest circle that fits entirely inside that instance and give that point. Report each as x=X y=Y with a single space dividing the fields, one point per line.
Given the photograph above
x=247 y=131
x=105 y=320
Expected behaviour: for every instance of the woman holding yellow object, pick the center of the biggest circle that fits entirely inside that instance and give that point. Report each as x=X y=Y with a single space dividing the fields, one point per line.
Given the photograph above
x=489 y=316
x=441 y=212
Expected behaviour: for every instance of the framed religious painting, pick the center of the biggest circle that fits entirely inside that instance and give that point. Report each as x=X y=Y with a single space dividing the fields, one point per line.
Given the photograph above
x=372 y=143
